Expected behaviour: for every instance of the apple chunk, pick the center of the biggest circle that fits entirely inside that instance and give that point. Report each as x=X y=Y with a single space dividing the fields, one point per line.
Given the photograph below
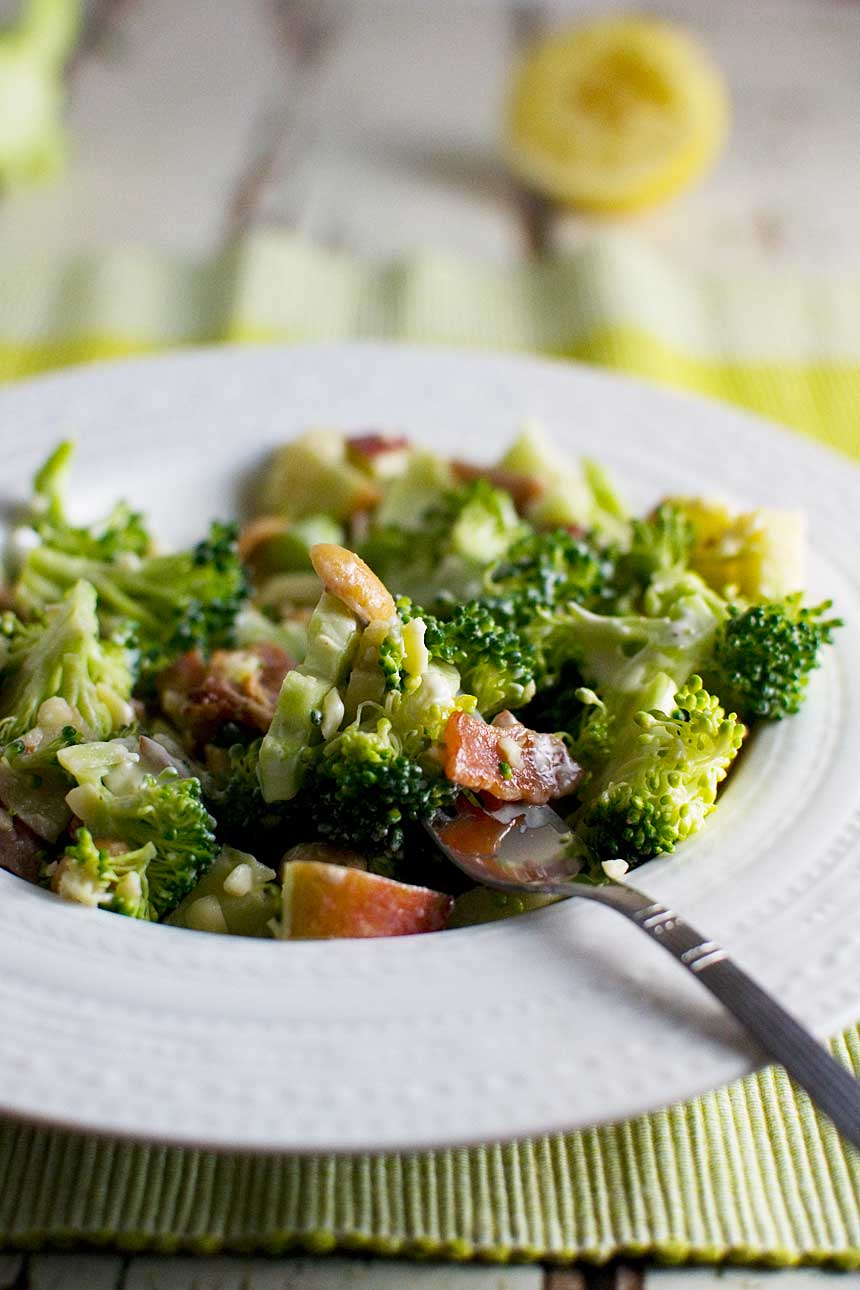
x=322 y=901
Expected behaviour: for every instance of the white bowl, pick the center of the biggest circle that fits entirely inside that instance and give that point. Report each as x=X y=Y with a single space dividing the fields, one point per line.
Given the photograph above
x=558 y=1019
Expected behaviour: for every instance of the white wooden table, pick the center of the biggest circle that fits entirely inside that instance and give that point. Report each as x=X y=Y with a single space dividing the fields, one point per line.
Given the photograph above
x=372 y=125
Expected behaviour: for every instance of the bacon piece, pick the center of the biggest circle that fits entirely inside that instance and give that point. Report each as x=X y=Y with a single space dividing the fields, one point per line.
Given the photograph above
x=371 y=445
x=21 y=849
x=540 y=767
x=524 y=489
x=239 y=687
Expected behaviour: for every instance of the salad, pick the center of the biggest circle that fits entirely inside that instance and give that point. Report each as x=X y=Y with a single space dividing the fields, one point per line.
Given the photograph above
x=247 y=736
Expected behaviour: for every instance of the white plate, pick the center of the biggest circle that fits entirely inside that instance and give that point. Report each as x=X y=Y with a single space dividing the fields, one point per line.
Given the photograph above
x=562 y=1018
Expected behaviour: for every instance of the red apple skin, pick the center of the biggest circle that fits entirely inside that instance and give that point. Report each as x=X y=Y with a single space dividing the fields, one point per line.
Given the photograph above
x=324 y=901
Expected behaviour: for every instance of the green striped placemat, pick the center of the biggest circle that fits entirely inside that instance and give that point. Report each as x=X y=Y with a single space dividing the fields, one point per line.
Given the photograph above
x=749 y=1172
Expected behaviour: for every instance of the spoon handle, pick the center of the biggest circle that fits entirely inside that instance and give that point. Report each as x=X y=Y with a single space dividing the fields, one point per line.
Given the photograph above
x=830 y=1086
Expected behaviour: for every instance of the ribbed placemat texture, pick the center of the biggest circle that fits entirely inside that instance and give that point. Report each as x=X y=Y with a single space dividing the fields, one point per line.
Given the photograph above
x=749 y=1172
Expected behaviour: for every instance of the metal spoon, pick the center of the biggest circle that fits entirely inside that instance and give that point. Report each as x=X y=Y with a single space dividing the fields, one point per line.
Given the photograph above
x=519 y=848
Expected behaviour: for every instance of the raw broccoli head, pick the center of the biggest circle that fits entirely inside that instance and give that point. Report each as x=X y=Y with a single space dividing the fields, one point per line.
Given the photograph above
x=115 y=799
x=363 y=791
x=621 y=652
x=175 y=602
x=762 y=656
x=546 y=570
x=65 y=658
x=119 y=882
x=658 y=545
x=121 y=532
x=498 y=640
x=660 y=776
x=443 y=555
x=494 y=662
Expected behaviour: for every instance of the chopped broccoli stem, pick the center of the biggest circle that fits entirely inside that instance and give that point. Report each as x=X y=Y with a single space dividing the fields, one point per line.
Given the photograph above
x=237 y=895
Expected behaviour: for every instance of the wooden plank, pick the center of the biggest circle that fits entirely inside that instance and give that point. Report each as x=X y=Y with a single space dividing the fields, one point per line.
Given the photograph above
x=168 y=110
x=228 y=1273
x=784 y=195
x=396 y=144
x=393 y=146
x=74 y=1272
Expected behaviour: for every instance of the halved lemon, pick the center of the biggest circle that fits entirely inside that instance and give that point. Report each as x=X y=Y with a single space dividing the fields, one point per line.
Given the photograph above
x=616 y=114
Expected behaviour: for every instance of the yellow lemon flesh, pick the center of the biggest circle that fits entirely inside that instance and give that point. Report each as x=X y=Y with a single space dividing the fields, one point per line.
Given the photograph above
x=615 y=115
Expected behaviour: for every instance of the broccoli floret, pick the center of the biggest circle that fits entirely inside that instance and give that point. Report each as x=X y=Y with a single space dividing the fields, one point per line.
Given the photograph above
x=121 y=532
x=363 y=791
x=762 y=656
x=527 y=594
x=392 y=662
x=660 y=777
x=116 y=799
x=232 y=788
x=445 y=553
x=176 y=602
x=394 y=674
x=420 y=713
x=573 y=710
x=662 y=544
x=494 y=663
x=65 y=658
x=593 y=730
x=546 y=570
x=116 y=881
x=623 y=652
